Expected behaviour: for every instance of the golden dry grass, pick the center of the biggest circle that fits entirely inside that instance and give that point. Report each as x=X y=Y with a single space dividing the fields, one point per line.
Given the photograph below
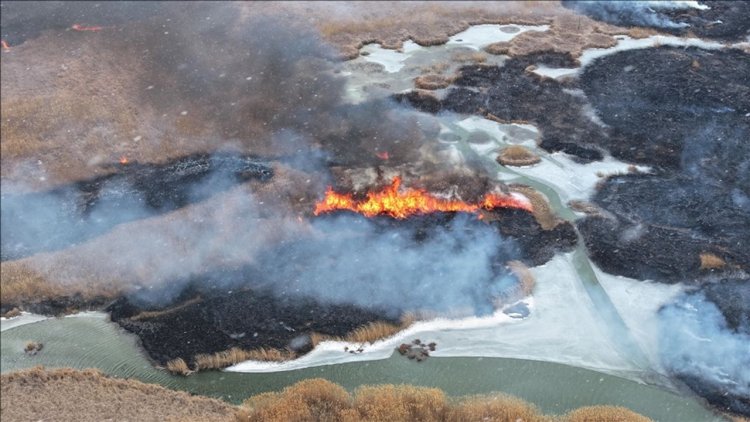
x=308 y=400
x=495 y=408
x=432 y=81
x=604 y=414
x=400 y=403
x=322 y=400
x=236 y=355
x=517 y=155
x=72 y=395
x=711 y=261
x=22 y=283
x=179 y=367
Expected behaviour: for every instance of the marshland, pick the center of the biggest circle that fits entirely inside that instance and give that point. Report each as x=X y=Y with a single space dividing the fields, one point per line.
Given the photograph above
x=244 y=211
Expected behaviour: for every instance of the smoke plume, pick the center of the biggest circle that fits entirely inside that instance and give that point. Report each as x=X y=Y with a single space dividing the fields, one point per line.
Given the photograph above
x=628 y=13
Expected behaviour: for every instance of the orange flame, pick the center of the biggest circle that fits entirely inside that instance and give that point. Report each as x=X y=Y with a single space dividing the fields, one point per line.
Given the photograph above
x=402 y=204
x=124 y=160
x=81 y=28
x=382 y=155
x=5 y=45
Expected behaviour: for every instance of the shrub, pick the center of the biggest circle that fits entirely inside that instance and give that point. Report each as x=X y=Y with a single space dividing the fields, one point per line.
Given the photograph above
x=604 y=414
x=497 y=408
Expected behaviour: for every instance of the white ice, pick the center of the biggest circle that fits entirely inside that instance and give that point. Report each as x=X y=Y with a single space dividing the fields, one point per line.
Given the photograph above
x=480 y=36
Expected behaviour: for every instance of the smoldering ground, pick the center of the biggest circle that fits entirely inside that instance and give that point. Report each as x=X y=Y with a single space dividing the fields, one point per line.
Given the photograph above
x=268 y=87
x=705 y=341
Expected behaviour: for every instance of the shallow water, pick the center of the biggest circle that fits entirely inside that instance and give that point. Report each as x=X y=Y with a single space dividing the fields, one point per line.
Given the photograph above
x=92 y=341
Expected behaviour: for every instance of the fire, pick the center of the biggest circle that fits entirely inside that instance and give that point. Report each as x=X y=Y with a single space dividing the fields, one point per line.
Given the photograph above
x=5 y=45
x=402 y=203
x=124 y=160
x=80 y=28
x=382 y=155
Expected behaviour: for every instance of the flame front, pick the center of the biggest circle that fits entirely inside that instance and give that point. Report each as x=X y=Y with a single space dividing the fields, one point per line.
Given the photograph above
x=401 y=204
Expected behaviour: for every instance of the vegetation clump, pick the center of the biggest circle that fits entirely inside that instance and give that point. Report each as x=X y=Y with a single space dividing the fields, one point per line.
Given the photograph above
x=432 y=82
x=517 y=155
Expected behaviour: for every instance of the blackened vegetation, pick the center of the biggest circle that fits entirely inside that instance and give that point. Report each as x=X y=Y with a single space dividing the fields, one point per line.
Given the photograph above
x=512 y=93
x=70 y=214
x=658 y=100
x=724 y=20
x=685 y=112
x=224 y=318
x=294 y=289
x=723 y=350
x=537 y=245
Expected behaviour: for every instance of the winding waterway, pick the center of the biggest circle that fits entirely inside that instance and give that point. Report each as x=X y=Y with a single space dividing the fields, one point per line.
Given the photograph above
x=90 y=340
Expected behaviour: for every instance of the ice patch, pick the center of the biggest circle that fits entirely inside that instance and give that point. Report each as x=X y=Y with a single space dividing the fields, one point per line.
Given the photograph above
x=480 y=36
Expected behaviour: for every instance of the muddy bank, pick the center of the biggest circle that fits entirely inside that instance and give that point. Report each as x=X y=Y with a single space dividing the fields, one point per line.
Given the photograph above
x=706 y=336
x=55 y=219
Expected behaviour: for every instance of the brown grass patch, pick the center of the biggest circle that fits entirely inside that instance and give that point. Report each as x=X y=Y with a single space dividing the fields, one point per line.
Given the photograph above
x=710 y=261
x=72 y=395
x=236 y=355
x=308 y=400
x=517 y=155
x=432 y=81
x=604 y=414
x=541 y=209
x=21 y=283
x=371 y=332
x=495 y=408
x=178 y=366
x=400 y=403
x=12 y=313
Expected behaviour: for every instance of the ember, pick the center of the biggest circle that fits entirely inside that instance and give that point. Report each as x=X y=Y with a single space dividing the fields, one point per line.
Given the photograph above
x=382 y=155
x=81 y=28
x=5 y=45
x=402 y=204
x=124 y=160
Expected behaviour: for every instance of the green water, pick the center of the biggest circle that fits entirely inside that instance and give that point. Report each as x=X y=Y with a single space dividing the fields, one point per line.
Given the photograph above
x=92 y=341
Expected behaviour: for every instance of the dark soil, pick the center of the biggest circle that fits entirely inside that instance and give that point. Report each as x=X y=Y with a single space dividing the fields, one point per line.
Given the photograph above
x=725 y=20
x=56 y=219
x=227 y=318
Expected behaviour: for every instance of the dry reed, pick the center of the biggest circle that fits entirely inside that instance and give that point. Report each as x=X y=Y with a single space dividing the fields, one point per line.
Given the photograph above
x=603 y=414
x=711 y=261
x=517 y=155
